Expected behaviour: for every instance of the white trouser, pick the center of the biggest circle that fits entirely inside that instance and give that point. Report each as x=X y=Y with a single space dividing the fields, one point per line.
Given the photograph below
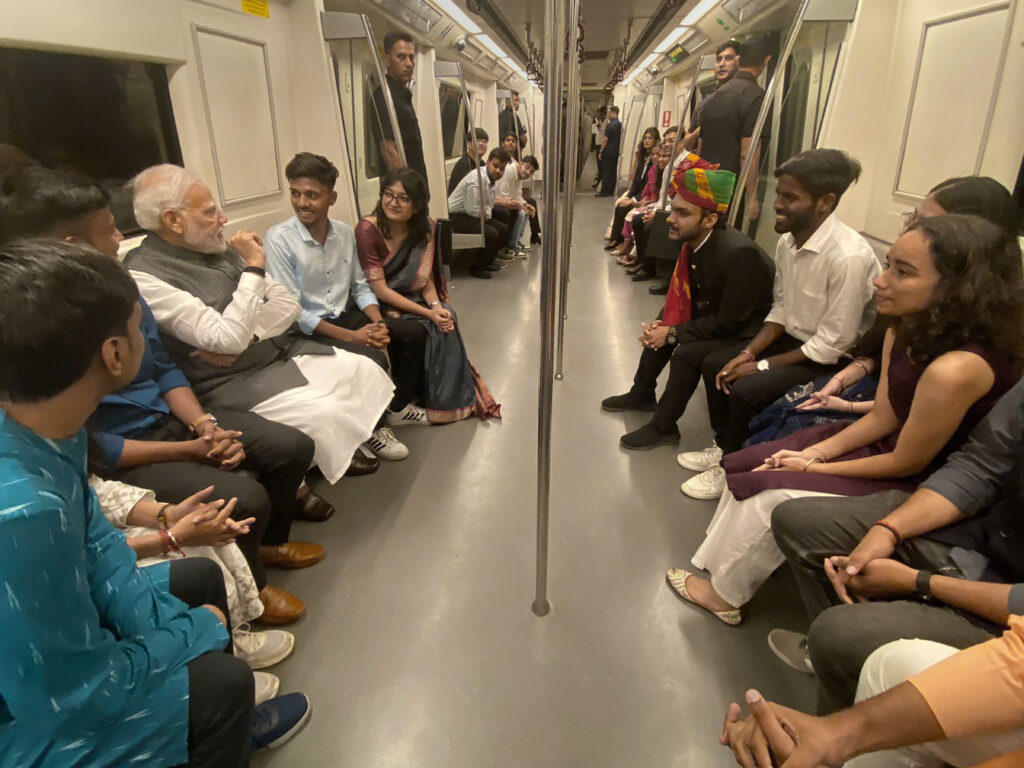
x=739 y=550
x=891 y=665
x=338 y=408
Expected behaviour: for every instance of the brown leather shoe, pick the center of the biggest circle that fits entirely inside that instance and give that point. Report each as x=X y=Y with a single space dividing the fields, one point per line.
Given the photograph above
x=310 y=507
x=279 y=607
x=292 y=554
x=362 y=465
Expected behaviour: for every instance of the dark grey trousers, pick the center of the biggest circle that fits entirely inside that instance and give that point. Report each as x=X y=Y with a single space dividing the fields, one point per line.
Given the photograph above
x=842 y=636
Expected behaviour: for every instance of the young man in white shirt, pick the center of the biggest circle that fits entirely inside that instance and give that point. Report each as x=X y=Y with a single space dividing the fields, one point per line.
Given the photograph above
x=314 y=257
x=476 y=189
x=509 y=195
x=822 y=304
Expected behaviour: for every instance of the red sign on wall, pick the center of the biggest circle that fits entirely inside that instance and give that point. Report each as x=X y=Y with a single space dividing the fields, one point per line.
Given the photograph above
x=666 y=118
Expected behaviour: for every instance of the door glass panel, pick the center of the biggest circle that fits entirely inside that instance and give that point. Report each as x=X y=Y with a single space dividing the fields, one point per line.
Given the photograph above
x=373 y=143
x=794 y=124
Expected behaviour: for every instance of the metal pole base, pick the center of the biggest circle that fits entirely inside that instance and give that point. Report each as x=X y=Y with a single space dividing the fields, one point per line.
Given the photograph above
x=559 y=376
x=541 y=609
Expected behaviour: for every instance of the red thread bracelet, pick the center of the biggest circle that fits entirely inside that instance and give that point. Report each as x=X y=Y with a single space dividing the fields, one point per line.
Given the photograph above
x=891 y=529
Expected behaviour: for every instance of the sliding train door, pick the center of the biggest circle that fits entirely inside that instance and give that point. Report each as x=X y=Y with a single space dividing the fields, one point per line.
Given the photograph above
x=367 y=110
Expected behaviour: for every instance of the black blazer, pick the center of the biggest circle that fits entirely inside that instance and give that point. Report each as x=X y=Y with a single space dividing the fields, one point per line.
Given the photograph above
x=731 y=281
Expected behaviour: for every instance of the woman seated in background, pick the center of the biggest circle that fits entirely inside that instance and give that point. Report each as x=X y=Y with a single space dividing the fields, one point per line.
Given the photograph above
x=850 y=393
x=396 y=250
x=953 y=289
x=643 y=159
x=648 y=200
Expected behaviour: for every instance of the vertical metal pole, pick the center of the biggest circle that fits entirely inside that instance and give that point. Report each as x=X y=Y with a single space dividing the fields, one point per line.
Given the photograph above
x=554 y=39
x=769 y=97
x=572 y=144
x=667 y=177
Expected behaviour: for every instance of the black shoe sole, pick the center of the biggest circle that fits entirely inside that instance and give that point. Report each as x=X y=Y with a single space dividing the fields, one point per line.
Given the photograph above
x=646 y=408
x=666 y=440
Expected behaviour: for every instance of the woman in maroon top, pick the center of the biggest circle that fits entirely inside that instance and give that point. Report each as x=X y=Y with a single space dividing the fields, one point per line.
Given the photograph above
x=396 y=246
x=953 y=288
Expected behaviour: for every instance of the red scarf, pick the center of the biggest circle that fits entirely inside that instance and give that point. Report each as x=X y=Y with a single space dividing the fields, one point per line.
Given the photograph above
x=677 y=302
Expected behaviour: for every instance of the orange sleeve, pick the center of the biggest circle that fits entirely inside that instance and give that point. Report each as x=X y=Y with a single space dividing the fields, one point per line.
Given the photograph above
x=981 y=689
x=1011 y=760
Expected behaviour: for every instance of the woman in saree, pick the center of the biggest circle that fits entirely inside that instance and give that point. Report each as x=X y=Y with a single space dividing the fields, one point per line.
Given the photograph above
x=396 y=245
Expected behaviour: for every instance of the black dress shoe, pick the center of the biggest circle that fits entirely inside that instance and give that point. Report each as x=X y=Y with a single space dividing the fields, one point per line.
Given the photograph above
x=633 y=270
x=310 y=507
x=626 y=402
x=534 y=239
x=659 y=289
x=647 y=437
x=641 y=274
x=483 y=274
x=362 y=465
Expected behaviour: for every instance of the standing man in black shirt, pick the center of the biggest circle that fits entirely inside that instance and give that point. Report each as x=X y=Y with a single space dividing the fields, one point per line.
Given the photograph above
x=726 y=119
x=509 y=122
x=608 y=154
x=399 y=61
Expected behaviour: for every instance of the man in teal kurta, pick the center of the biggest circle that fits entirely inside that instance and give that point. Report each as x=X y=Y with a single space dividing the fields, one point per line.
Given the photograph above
x=96 y=659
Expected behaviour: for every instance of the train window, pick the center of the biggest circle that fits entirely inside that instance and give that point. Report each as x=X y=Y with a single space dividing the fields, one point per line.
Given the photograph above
x=106 y=118
x=453 y=120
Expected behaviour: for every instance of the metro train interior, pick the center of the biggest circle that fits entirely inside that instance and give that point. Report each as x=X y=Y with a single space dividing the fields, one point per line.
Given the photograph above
x=499 y=598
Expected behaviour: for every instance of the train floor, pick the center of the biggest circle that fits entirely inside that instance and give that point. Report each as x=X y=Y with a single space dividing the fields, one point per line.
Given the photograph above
x=420 y=649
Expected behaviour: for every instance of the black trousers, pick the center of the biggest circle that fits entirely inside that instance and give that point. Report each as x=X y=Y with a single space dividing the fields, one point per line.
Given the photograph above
x=406 y=350
x=731 y=413
x=535 y=219
x=609 y=172
x=842 y=636
x=495 y=236
x=618 y=220
x=220 y=686
x=277 y=455
x=685 y=363
x=502 y=215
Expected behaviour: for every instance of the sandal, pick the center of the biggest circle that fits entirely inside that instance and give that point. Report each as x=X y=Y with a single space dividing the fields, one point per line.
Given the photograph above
x=627 y=260
x=677 y=577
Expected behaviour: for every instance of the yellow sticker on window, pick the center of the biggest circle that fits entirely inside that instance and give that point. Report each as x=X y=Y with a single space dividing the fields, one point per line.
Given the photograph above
x=257 y=7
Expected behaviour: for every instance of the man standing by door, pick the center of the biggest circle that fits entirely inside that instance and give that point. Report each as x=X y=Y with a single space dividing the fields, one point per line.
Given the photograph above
x=399 y=61
x=509 y=122
x=608 y=154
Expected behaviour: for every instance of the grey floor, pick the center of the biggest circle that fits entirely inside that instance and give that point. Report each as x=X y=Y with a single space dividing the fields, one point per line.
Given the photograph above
x=420 y=648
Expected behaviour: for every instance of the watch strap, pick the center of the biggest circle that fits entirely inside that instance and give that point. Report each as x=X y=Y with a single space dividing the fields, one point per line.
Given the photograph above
x=923 y=586
x=202 y=420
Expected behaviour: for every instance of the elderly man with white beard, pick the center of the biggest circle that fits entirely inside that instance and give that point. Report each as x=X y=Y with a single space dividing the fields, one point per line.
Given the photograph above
x=226 y=323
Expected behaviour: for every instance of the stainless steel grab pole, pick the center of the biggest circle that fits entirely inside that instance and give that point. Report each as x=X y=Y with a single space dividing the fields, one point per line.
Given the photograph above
x=572 y=144
x=554 y=40
x=766 y=105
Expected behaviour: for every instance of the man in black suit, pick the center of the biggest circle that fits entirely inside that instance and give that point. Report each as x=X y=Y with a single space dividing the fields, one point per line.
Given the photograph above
x=467 y=162
x=608 y=153
x=720 y=292
x=509 y=122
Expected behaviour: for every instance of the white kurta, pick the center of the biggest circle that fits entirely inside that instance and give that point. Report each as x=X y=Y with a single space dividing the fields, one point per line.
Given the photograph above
x=346 y=394
x=117 y=500
x=739 y=550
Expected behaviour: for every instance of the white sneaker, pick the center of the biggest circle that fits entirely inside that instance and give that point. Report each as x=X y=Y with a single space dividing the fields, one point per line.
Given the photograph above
x=262 y=649
x=410 y=415
x=267 y=686
x=386 y=446
x=706 y=485
x=522 y=251
x=700 y=461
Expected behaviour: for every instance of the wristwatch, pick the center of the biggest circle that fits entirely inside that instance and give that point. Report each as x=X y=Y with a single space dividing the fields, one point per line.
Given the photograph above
x=202 y=420
x=762 y=365
x=923 y=587
x=670 y=338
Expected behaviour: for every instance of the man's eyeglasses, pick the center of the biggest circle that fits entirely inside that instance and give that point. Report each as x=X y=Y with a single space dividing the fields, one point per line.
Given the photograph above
x=389 y=197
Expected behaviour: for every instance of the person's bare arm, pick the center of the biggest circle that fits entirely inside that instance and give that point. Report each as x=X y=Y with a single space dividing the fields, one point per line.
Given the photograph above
x=753 y=207
x=390 y=155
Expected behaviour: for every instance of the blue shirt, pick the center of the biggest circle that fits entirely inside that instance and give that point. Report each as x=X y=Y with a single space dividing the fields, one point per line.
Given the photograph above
x=320 y=277
x=94 y=655
x=139 y=407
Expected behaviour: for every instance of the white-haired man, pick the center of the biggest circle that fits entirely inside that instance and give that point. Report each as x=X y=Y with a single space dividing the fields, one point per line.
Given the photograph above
x=226 y=324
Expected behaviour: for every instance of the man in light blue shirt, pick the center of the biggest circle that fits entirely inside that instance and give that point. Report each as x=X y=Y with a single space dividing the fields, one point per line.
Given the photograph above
x=101 y=666
x=315 y=258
